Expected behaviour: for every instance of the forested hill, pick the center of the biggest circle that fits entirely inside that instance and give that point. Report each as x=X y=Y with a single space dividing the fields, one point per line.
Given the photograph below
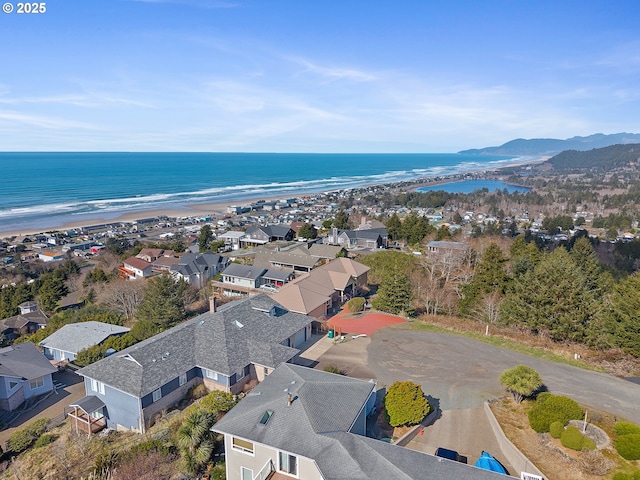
x=552 y=146
x=596 y=160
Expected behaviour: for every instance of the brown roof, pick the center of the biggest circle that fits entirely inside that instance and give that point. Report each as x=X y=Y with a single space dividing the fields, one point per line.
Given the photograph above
x=299 y=299
x=135 y=262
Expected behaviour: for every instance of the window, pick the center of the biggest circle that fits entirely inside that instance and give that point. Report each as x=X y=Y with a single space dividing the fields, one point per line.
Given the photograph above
x=240 y=374
x=266 y=371
x=242 y=445
x=246 y=473
x=12 y=384
x=265 y=417
x=36 y=383
x=183 y=379
x=211 y=374
x=157 y=395
x=287 y=463
x=97 y=386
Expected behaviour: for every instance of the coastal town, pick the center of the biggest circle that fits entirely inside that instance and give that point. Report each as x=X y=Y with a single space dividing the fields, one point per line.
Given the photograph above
x=146 y=319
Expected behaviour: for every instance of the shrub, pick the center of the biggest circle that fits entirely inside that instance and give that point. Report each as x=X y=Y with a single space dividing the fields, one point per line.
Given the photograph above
x=592 y=462
x=334 y=369
x=197 y=391
x=521 y=381
x=572 y=438
x=628 y=446
x=44 y=440
x=405 y=404
x=21 y=440
x=556 y=429
x=635 y=475
x=625 y=428
x=217 y=402
x=553 y=408
x=356 y=305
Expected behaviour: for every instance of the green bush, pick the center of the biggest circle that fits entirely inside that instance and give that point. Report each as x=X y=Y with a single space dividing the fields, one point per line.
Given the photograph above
x=625 y=428
x=635 y=475
x=45 y=439
x=334 y=369
x=628 y=446
x=553 y=408
x=405 y=404
x=572 y=438
x=556 y=429
x=356 y=305
x=217 y=402
x=21 y=440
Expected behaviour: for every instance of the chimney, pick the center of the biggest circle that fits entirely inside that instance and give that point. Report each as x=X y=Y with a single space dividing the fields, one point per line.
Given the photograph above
x=288 y=399
x=212 y=304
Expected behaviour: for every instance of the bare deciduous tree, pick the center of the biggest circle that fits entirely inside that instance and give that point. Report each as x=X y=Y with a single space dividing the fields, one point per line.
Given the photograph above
x=123 y=297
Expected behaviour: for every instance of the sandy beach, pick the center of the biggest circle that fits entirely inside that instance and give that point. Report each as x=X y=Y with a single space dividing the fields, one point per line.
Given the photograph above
x=220 y=209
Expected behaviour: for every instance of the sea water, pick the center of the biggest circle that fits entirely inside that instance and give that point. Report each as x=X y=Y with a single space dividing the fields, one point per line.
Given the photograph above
x=40 y=189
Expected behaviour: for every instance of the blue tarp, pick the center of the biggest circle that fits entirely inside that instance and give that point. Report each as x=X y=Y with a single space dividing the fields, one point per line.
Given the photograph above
x=487 y=462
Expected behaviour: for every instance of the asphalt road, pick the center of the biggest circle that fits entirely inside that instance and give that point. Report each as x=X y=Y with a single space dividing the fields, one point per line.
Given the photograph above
x=462 y=373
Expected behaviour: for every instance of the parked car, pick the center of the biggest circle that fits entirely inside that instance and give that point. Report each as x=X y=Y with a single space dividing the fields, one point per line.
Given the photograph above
x=449 y=454
x=269 y=288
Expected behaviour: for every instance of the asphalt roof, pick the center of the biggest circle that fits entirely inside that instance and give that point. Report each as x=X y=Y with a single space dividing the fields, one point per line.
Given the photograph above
x=244 y=271
x=316 y=426
x=78 y=336
x=24 y=360
x=239 y=333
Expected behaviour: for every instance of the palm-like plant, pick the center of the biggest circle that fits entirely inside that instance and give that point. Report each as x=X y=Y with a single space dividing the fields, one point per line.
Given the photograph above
x=195 y=440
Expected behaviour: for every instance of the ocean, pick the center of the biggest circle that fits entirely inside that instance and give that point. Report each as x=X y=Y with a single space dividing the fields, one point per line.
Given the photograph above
x=47 y=189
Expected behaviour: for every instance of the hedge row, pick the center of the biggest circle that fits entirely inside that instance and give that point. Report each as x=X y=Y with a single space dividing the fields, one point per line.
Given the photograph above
x=21 y=440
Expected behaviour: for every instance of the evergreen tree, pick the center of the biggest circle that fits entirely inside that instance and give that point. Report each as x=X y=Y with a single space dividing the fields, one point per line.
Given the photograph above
x=342 y=220
x=394 y=294
x=524 y=256
x=624 y=318
x=585 y=258
x=204 y=238
x=163 y=302
x=490 y=280
x=552 y=298
x=307 y=231
x=394 y=227
x=405 y=404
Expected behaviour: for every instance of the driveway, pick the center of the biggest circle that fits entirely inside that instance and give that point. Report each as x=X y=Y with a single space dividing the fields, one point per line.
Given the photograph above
x=458 y=374
x=69 y=387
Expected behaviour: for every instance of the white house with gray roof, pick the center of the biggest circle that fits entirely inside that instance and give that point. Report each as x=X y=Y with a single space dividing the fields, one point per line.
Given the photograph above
x=224 y=350
x=311 y=424
x=65 y=343
x=198 y=268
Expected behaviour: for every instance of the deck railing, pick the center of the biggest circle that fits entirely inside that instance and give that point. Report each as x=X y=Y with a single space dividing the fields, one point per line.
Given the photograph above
x=265 y=471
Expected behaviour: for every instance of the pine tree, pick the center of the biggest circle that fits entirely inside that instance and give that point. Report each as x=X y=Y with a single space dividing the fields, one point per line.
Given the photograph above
x=552 y=298
x=394 y=294
x=624 y=319
x=394 y=227
x=204 y=238
x=163 y=302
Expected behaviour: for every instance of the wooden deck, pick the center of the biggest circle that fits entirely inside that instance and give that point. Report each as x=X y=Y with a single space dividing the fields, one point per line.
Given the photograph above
x=86 y=424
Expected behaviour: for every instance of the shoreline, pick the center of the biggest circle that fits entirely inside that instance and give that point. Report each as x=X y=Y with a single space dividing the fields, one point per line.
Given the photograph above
x=220 y=208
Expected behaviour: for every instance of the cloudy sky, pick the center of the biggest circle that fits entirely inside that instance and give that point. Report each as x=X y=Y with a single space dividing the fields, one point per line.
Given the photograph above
x=315 y=75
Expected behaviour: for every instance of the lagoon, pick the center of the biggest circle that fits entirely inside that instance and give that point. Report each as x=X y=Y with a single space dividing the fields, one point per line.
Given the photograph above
x=469 y=186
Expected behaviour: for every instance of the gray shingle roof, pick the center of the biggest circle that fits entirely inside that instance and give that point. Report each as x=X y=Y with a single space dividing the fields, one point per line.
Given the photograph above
x=24 y=361
x=89 y=404
x=244 y=271
x=240 y=333
x=78 y=336
x=316 y=426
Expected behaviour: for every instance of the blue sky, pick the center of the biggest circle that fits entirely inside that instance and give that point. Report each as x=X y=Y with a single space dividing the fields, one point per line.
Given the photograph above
x=315 y=76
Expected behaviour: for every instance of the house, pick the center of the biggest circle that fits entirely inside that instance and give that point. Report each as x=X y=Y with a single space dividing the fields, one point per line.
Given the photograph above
x=246 y=277
x=134 y=267
x=314 y=293
x=24 y=373
x=29 y=320
x=50 y=256
x=444 y=249
x=369 y=238
x=306 y=423
x=198 y=269
x=150 y=255
x=294 y=259
x=264 y=234
x=231 y=239
x=64 y=344
x=224 y=349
